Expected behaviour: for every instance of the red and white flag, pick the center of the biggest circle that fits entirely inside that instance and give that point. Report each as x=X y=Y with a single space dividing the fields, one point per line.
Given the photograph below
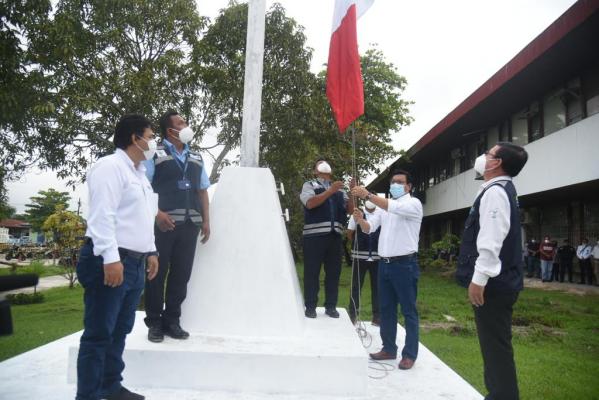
x=344 y=75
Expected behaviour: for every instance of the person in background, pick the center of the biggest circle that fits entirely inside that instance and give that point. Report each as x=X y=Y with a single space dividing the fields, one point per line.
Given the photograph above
x=565 y=255
x=583 y=252
x=556 y=266
x=365 y=260
x=595 y=257
x=532 y=248
x=547 y=252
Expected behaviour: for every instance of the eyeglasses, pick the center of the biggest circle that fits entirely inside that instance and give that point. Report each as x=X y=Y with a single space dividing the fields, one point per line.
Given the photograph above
x=488 y=153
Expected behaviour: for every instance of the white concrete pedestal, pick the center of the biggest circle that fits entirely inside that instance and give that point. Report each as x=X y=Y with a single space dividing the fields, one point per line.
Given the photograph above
x=329 y=351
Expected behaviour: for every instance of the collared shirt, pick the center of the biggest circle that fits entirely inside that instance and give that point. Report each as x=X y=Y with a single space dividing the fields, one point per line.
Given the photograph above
x=494 y=221
x=583 y=251
x=400 y=226
x=122 y=207
x=308 y=191
x=203 y=183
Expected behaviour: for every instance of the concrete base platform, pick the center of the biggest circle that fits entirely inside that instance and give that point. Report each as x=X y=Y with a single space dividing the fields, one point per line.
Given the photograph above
x=329 y=348
x=42 y=372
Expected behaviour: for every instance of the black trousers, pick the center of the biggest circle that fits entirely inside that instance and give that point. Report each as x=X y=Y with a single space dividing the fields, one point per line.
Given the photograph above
x=360 y=268
x=563 y=267
x=177 y=249
x=318 y=250
x=494 y=327
x=586 y=271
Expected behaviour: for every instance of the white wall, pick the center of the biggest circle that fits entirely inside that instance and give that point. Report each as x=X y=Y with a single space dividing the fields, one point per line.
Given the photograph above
x=566 y=157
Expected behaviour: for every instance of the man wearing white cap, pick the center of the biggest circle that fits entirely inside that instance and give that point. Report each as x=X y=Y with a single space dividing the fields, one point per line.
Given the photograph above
x=365 y=259
x=326 y=206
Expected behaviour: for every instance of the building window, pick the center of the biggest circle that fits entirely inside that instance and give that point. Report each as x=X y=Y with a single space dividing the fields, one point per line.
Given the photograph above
x=573 y=102
x=471 y=154
x=456 y=157
x=493 y=136
x=505 y=131
x=590 y=91
x=535 y=128
x=444 y=172
x=520 y=128
x=554 y=112
x=481 y=144
x=431 y=175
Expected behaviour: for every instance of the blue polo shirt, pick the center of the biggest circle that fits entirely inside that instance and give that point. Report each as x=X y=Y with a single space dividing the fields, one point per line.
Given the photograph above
x=204 y=182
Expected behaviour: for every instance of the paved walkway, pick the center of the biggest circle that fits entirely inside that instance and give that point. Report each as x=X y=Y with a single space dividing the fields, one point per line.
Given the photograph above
x=575 y=288
x=45 y=283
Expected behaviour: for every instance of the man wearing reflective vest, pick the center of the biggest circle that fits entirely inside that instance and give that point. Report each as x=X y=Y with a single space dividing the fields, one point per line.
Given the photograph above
x=490 y=264
x=365 y=259
x=179 y=178
x=326 y=206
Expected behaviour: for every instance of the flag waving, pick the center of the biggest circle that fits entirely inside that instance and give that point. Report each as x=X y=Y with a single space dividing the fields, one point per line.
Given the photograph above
x=344 y=75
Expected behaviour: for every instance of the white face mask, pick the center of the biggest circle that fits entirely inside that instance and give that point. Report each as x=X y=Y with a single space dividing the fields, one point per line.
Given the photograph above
x=324 y=168
x=369 y=205
x=480 y=164
x=185 y=134
x=152 y=145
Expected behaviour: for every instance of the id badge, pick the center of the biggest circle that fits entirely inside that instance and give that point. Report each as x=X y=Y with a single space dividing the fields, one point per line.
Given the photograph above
x=184 y=184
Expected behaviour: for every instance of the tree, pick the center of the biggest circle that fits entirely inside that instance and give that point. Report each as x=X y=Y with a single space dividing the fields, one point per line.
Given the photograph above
x=67 y=230
x=43 y=205
x=6 y=210
x=100 y=59
x=24 y=93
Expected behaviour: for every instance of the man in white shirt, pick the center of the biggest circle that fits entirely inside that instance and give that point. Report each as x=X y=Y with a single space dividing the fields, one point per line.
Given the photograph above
x=583 y=252
x=490 y=264
x=113 y=262
x=398 y=270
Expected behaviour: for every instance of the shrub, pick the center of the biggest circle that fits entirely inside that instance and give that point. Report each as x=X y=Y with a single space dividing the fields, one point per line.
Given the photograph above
x=25 y=298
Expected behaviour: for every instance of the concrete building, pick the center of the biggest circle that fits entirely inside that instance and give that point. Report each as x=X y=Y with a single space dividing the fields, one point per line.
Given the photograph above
x=546 y=99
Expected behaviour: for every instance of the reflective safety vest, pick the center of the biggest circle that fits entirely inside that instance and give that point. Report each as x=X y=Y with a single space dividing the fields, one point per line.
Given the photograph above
x=177 y=185
x=328 y=217
x=367 y=244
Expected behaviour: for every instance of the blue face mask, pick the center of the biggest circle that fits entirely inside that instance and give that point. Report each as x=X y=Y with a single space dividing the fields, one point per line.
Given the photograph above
x=397 y=190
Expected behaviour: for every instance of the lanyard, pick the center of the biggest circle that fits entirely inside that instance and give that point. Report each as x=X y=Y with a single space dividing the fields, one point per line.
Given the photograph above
x=182 y=166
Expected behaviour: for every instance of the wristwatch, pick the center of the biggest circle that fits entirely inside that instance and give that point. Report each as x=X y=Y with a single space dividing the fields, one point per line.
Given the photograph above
x=368 y=196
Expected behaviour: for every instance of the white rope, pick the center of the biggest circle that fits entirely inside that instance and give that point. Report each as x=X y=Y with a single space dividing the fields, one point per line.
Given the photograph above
x=360 y=326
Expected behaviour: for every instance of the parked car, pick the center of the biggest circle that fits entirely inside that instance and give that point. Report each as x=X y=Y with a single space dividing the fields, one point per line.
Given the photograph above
x=24 y=240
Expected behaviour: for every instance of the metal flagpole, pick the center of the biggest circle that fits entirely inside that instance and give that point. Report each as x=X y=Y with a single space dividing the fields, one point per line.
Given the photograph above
x=252 y=88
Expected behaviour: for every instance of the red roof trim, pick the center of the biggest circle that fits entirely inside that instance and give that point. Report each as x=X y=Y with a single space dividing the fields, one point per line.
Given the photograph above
x=569 y=20
x=14 y=223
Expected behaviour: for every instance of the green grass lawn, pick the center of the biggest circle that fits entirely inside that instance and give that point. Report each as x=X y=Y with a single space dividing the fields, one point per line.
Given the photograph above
x=556 y=335
x=36 y=324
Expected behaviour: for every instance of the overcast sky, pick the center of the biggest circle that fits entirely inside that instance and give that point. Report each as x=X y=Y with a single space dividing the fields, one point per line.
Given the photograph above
x=445 y=49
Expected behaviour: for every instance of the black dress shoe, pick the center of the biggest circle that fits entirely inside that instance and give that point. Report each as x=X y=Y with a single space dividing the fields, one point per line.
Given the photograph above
x=125 y=394
x=155 y=334
x=331 y=312
x=310 y=313
x=176 y=332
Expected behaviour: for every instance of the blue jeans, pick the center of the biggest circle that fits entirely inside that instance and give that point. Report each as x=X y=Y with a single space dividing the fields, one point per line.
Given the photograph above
x=531 y=264
x=398 y=283
x=108 y=318
x=546 y=270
